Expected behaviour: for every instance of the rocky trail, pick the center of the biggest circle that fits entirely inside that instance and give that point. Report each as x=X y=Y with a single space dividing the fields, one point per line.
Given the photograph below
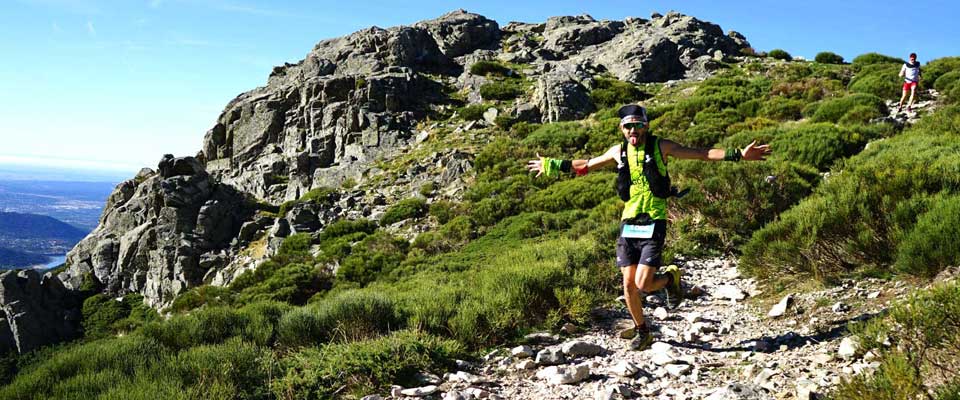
x=926 y=102
x=725 y=341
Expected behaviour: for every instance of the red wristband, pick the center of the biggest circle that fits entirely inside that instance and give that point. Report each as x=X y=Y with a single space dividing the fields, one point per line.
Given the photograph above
x=581 y=171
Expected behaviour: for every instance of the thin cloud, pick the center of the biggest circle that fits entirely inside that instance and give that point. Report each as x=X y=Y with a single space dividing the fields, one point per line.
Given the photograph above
x=90 y=29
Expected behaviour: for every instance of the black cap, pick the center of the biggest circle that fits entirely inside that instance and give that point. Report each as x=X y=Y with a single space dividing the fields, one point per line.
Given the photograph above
x=632 y=110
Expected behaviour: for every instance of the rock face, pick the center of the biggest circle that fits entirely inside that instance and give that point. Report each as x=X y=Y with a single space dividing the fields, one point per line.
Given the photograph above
x=160 y=233
x=35 y=311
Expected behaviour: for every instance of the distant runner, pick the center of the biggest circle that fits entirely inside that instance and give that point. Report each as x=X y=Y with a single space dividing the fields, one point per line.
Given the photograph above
x=911 y=78
x=644 y=185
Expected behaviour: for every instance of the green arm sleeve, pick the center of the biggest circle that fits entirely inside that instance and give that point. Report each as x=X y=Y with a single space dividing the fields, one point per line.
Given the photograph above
x=551 y=166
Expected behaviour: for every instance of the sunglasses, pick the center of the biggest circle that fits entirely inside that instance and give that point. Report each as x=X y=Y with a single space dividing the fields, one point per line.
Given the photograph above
x=634 y=125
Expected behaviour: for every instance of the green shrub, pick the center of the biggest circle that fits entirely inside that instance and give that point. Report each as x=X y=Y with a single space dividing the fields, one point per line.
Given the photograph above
x=360 y=368
x=922 y=332
x=413 y=207
x=320 y=195
x=558 y=138
x=374 y=255
x=581 y=193
x=100 y=312
x=295 y=244
x=501 y=90
x=262 y=321
x=781 y=109
x=875 y=58
x=878 y=79
x=859 y=218
x=610 y=92
x=343 y=227
x=199 y=296
x=826 y=57
x=473 y=112
x=443 y=210
x=859 y=115
x=504 y=121
x=937 y=68
x=931 y=245
x=780 y=54
x=485 y=68
x=751 y=125
x=833 y=110
x=810 y=109
x=946 y=80
x=358 y=315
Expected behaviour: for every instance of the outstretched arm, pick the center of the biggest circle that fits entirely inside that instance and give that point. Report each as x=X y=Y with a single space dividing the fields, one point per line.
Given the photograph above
x=554 y=167
x=751 y=152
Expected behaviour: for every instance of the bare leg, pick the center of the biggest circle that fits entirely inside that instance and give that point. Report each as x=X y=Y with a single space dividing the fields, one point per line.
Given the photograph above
x=636 y=281
x=902 y=98
x=912 y=90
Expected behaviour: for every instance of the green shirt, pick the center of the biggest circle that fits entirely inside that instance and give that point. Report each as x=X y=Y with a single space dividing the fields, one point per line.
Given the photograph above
x=641 y=199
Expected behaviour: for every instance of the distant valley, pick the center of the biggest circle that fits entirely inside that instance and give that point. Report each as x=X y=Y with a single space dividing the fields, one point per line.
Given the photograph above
x=40 y=221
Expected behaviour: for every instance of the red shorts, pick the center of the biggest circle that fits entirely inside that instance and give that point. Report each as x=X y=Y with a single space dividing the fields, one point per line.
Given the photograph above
x=909 y=85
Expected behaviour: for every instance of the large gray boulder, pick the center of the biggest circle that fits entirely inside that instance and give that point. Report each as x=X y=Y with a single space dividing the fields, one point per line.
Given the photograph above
x=560 y=95
x=35 y=311
x=160 y=233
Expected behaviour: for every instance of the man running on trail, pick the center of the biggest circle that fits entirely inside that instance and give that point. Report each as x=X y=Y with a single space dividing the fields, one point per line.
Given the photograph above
x=644 y=185
x=911 y=78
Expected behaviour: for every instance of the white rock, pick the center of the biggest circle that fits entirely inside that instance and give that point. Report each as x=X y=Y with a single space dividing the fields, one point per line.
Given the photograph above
x=678 y=369
x=781 y=308
x=840 y=307
x=542 y=337
x=822 y=358
x=455 y=395
x=477 y=393
x=463 y=364
x=420 y=391
x=522 y=351
x=763 y=379
x=395 y=391
x=564 y=375
x=729 y=292
x=428 y=378
x=691 y=337
x=848 y=348
x=661 y=358
x=625 y=368
x=526 y=364
x=734 y=391
x=491 y=115
x=661 y=347
x=807 y=390
x=694 y=317
x=462 y=376
x=660 y=313
x=550 y=357
x=873 y=295
x=372 y=397
x=578 y=348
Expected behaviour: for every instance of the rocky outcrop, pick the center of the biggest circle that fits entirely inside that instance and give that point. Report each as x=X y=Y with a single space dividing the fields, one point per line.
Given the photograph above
x=35 y=311
x=160 y=233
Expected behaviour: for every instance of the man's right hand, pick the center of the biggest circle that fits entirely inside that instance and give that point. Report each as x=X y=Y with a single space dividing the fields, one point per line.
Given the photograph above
x=536 y=165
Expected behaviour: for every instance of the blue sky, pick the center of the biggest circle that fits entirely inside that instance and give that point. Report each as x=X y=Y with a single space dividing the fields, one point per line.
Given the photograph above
x=116 y=84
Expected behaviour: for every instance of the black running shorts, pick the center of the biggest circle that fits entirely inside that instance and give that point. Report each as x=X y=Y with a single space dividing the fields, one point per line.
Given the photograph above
x=647 y=252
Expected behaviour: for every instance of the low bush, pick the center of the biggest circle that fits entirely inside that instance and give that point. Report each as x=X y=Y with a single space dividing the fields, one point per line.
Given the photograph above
x=199 y=296
x=780 y=54
x=920 y=336
x=573 y=194
x=372 y=258
x=781 y=109
x=344 y=227
x=485 y=68
x=360 y=368
x=946 y=80
x=875 y=58
x=413 y=207
x=878 y=79
x=859 y=115
x=833 y=110
x=863 y=216
x=931 y=245
x=501 y=90
x=827 y=57
x=937 y=68
x=320 y=195
x=472 y=112
x=100 y=312
x=558 y=139
x=610 y=92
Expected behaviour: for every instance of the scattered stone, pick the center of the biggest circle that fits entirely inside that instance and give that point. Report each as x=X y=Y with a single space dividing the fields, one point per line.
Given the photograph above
x=526 y=364
x=522 y=351
x=873 y=295
x=477 y=393
x=569 y=329
x=781 y=308
x=579 y=348
x=735 y=391
x=763 y=379
x=807 y=390
x=542 y=337
x=463 y=364
x=420 y=391
x=427 y=378
x=372 y=397
x=550 y=357
x=840 y=307
x=729 y=292
x=564 y=375
x=625 y=368
x=822 y=358
x=848 y=348
x=694 y=317
x=678 y=369
x=660 y=313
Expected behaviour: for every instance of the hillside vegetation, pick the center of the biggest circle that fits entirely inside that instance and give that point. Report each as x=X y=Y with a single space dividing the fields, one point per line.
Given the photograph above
x=519 y=253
